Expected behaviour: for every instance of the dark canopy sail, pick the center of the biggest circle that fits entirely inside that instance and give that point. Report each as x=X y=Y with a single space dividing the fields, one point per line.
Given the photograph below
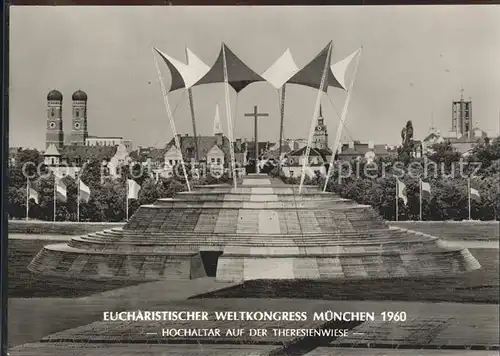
x=312 y=72
x=238 y=73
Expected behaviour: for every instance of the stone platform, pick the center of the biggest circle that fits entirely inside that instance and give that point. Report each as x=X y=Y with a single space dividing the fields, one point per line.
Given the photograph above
x=263 y=229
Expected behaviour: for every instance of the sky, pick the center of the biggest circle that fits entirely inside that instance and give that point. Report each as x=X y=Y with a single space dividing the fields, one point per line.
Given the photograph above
x=415 y=61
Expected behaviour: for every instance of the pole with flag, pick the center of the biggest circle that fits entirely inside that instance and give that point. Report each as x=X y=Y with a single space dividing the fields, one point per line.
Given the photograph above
x=397 y=198
x=425 y=187
x=132 y=192
x=78 y=198
x=31 y=193
x=60 y=193
x=55 y=196
x=420 y=194
x=27 y=197
x=83 y=194
x=400 y=193
x=471 y=192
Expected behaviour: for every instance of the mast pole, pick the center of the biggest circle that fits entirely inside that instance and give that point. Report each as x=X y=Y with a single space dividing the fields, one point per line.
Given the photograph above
x=342 y=120
x=315 y=115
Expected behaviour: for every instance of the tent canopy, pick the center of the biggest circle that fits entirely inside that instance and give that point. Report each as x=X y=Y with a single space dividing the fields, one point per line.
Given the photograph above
x=312 y=72
x=184 y=75
x=283 y=70
x=238 y=73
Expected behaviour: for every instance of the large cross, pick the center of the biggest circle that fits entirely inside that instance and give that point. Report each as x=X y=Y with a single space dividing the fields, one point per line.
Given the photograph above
x=255 y=114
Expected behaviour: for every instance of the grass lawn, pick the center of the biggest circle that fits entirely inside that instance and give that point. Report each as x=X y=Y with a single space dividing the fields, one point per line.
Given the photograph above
x=481 y=286
x=24 y=284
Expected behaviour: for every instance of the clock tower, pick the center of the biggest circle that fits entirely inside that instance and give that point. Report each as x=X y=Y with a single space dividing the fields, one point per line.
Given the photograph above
x=79 y=131
x=54 y=134
x=320 y=137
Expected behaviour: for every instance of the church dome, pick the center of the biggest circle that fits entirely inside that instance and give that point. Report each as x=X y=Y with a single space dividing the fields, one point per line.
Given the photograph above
x=79 y=95
x=54 y=95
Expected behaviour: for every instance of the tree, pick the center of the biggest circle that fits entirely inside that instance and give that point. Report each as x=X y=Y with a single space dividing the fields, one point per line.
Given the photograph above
x=445 y=156
x=406 y=150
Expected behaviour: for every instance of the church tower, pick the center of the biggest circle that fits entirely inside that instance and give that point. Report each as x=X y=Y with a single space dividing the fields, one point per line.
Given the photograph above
x=320 y=137
x=79 y=132
x=54 y=133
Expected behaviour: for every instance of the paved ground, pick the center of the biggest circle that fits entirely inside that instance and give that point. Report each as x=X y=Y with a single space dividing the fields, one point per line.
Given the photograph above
x=219 y=350
x=39 y=349
x=442 y=325
x=28 y=316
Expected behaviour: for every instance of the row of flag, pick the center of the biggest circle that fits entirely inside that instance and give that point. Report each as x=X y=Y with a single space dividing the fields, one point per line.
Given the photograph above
x=425 y=191
x=61 y=194
x=61 y=191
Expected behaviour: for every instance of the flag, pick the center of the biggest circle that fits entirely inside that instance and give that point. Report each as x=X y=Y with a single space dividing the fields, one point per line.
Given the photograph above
x=133 y=189
x=401 y=191
x=474 y=193
x=61 y=191
x=426 y=188
x=32 y=193
x=84 y=192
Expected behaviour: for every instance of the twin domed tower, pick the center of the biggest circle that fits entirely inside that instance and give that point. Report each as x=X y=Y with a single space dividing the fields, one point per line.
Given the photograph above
x=55 y=132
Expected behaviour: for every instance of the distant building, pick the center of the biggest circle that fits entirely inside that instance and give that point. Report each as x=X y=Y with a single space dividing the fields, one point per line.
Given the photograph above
x=120 y=158
x=316 y=162
x=55 y=163
x=14 y=155
x=320 y=136
x=79 y=124
x=462 y=136
x=108 y=141
x=362 y=151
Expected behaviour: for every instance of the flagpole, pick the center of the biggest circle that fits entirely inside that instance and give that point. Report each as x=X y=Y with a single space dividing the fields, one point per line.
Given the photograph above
x=397 y=196
x=342 y=120
x=420 y=199
x=468 y=194
x=27 y=197
x=126 y=199
x=315 y=115
x=55 y=197
x=78 y=199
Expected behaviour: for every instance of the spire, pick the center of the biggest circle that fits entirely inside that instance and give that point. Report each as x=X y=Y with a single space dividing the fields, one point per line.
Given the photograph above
x=462 y=94
x=320 y=111
x=217 y=127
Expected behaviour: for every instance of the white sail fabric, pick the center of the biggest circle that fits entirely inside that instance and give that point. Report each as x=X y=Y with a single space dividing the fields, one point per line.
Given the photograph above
x=281 y=70
x=339 y=69
x=184 y=75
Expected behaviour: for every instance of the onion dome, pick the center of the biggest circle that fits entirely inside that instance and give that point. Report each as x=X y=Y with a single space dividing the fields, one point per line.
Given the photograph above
x=79 y=95
x=54 y=95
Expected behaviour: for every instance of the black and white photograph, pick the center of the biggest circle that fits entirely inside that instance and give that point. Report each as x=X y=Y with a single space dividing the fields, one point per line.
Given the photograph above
x=246 y=180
